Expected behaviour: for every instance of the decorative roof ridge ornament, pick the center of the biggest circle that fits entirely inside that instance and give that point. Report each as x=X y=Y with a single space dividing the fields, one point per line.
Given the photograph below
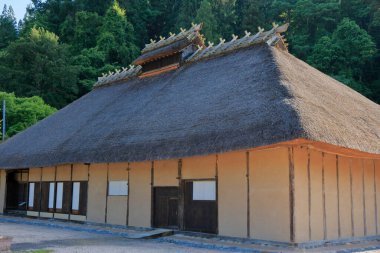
x=119 y=74
x=190 y=34
x=271 y=37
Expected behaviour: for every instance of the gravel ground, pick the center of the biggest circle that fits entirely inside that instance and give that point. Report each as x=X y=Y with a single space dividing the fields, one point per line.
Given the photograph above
x=31 y=237
x=28 y=237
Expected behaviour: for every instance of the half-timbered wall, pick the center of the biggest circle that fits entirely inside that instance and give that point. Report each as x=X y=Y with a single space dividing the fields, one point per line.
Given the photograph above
x=288 y=193
x=336 y=197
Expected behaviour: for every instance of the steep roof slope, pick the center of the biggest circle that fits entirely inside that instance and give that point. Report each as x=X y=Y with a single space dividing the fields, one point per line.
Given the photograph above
x=328 y=110
x=248 y=98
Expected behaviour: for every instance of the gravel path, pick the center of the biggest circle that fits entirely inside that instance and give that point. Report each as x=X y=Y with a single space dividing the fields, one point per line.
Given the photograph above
x=31 y=237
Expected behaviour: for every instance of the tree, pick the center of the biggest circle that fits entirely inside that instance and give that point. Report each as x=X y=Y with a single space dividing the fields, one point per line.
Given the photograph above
x=249 y=15
x=225 y=16
x=8 y=27
x=205 y=15
x=357 y=46
x=187 y=12
x=116 y=37
x=39 y=65
x=87 y=26
x=23 y=112
x=345 y=54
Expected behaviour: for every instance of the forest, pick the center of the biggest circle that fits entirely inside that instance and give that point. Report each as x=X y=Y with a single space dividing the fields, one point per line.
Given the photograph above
x=55 y=54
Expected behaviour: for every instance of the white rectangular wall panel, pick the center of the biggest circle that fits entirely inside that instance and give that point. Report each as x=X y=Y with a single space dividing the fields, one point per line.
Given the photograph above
x=58 y=202
x=118 y=188
x=75 y=200
x=31 y=194
x=51 y=195
x=204 y=190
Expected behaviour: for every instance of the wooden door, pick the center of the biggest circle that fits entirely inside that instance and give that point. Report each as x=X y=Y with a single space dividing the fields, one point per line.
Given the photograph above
x=199 y=215
x=165 y=207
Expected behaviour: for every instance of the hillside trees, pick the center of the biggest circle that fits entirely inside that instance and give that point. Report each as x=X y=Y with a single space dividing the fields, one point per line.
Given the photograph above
x=8 y=29
x=38 y=65
x=341 y=38
x=23 y=112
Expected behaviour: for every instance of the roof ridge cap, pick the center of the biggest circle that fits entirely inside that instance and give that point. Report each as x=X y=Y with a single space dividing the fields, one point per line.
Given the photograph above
x=271 y=37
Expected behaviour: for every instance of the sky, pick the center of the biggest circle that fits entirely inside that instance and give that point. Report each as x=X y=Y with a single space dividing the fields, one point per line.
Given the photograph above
x=19 y=6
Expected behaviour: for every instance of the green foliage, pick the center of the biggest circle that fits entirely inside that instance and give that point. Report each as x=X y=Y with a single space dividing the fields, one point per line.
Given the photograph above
x=8 y=32
x=21 y=113
x=87 y=26
x=205 y=15
x=348 y=50
x=187 y=13
x=39 y=65
x=116 y=37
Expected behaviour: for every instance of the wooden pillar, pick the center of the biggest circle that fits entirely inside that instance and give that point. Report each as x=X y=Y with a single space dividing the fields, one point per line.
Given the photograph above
x=181 y=197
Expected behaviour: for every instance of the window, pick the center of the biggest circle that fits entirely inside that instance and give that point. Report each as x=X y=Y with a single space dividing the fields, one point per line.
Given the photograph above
x=118 y=188
x=75 y=201
x=34 y=197
x=31 y=195
x=79 y=198
x=204 y=190
x=59 y=197
x=51 y=196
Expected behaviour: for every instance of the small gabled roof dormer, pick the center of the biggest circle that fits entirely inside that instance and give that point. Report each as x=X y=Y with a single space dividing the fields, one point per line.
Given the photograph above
x=168 y=53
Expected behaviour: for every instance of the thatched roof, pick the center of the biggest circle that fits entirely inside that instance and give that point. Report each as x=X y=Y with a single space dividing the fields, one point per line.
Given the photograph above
x=247 y=98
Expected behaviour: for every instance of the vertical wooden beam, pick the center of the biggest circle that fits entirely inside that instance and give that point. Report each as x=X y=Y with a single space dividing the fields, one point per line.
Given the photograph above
x=337 y=186
x=217 y=194
x=181 y=197
x=309 y=189
x=248 y=198
x=129 y=193
x=71 y=181
x=352 y=202
x=375 y=195
x=107 y=185
x=291 y=194
x=151 y=193
x=364 y=205
x=324 y=197
x=88 y=183
x=40 y=197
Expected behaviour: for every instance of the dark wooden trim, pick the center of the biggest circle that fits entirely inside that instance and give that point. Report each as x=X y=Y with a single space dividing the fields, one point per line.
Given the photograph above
x=160 y=70
x=72 y=190
x=181 y=197
x=129 y=192
x=324 y=197
x=55 y=189
x=40 y=195
x=309 y=189
x=88 y=186
x=27 y=192
x=364 y=205
x=248 y=197
x=151 y=193
x=217 y=193
x=352 y=202
x=375 y=195
x=291 y=194
x=338 y=193
x=107 y=185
